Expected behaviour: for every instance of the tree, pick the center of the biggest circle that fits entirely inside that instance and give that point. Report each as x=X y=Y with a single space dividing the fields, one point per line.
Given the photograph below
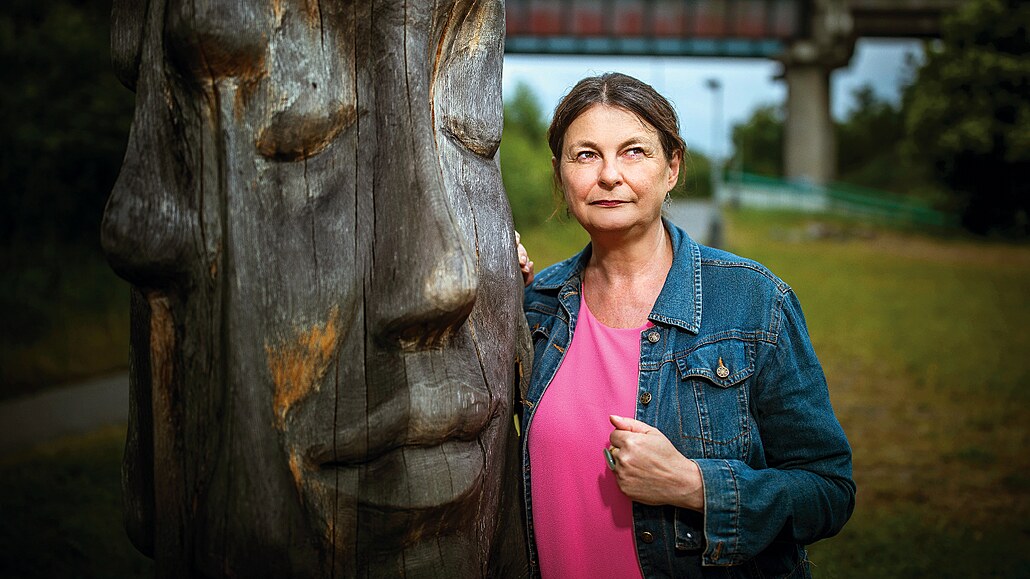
x=526 y=160
x=695 y=177
x=63 y=118
x=968 y=114
x=868 y=141
x=758 y=143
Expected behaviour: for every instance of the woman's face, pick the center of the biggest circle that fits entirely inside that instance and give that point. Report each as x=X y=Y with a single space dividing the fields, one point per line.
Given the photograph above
x=614 y=172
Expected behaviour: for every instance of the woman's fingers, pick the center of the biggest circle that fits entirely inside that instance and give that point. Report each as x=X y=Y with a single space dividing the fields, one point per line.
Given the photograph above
x=525 y=264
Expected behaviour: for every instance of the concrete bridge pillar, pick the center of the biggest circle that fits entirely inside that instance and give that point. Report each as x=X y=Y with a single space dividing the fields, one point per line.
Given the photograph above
x=810 y=146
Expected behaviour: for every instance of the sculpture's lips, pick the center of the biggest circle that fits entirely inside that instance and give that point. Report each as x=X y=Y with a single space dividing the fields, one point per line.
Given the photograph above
x=415 y=466
x=422 y=416
x=418 y=450
x=414 y=478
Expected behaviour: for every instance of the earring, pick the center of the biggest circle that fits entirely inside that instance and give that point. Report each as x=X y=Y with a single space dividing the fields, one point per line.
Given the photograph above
x=668 y=199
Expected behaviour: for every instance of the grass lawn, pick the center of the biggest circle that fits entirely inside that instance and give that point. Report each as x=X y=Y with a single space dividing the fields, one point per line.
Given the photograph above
x=925 y=343
x=62 y=512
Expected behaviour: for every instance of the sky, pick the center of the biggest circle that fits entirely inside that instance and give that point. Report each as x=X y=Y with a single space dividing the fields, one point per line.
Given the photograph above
x=746 y=83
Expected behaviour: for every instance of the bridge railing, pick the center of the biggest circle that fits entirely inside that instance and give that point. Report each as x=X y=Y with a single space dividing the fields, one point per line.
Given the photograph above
x=759 y=191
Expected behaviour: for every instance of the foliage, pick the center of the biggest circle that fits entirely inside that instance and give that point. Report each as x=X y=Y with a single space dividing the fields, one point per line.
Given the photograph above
x=869 y=149
x=63 y=322
x=867 y=141
x=758 y=143
x=64 y=120
x=695 y=177
x=968 y=113
x=526 y=160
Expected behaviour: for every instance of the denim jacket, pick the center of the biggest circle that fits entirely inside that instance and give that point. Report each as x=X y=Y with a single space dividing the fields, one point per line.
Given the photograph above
x=728 y=374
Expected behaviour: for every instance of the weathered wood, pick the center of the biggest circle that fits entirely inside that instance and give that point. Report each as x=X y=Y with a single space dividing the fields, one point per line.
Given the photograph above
x=326 y=310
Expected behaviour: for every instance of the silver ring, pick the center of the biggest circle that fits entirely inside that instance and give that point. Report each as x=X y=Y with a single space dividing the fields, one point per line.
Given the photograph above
x=609 y=459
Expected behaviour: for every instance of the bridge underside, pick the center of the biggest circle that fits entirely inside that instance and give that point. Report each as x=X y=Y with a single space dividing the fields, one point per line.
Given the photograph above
x=700 y=47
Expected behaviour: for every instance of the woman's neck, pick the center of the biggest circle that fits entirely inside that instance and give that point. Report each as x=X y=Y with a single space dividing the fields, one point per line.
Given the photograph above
x=617 y=258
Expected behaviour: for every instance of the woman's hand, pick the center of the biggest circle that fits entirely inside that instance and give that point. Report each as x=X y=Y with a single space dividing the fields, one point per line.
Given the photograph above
x=524 y=263
x=650 y=470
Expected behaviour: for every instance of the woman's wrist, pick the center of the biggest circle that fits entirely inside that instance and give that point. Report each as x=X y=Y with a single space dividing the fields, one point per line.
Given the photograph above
x=693 y=496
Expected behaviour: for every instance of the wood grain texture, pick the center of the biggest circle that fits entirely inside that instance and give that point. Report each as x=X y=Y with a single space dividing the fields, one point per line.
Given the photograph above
x=327 y=310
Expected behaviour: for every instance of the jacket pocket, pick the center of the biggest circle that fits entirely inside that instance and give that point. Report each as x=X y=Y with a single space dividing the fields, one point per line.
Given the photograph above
x=714 y=397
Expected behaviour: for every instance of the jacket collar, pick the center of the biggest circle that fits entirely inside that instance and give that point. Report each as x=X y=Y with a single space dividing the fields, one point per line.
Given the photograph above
x=678 y=304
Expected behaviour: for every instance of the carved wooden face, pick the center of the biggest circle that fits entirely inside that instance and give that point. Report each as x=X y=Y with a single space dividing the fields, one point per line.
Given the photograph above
x=324 y=322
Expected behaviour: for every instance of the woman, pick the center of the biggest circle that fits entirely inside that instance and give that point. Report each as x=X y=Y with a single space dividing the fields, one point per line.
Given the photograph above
x=678 y=422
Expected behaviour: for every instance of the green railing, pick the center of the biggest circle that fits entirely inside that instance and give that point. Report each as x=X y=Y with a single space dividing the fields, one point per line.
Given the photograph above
x=844 y=199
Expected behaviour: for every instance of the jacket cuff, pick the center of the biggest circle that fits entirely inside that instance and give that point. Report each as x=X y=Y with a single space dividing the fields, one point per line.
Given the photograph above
x=722 y=513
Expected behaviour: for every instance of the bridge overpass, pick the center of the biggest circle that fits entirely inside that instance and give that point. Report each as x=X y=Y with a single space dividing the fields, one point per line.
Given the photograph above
x=810 y=38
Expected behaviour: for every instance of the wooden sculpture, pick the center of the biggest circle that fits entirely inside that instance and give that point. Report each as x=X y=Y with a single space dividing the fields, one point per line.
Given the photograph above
x=326 y=304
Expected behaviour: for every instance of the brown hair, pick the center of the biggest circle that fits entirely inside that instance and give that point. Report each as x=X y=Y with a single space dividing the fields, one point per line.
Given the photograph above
x=618 y=90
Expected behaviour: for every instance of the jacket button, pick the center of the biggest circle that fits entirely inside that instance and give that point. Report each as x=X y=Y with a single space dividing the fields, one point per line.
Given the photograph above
x=647 y=537
x=653 y=337
x=645 y=398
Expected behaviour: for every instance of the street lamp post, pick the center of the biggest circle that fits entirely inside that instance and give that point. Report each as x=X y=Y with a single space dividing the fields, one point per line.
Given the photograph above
x=715 y=85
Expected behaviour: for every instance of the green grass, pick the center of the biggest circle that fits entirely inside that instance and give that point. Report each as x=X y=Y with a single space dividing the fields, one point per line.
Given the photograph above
x=62 y=512
x=924 y=341
x=554 y=241
x=64 y=322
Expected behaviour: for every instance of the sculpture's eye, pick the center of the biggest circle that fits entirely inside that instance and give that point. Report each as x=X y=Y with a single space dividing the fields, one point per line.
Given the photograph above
x=477 y=135
x=468 y=105
x=210 y=41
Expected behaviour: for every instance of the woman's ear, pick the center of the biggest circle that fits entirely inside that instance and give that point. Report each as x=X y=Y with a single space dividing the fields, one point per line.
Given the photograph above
x=556 y=167
x=674 y=168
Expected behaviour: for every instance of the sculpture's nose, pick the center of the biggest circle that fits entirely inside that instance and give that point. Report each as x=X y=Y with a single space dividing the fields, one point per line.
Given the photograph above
x=424 y=265
x=145 y=225
x=425 y=273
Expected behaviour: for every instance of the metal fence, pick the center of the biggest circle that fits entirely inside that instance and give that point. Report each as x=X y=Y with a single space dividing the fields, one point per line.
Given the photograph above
x=758 y=191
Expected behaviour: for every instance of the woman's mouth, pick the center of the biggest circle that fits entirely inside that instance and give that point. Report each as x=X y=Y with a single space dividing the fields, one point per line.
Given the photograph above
x=608 y=203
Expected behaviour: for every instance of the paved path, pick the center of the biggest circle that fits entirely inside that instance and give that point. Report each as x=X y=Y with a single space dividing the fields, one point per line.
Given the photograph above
x=105 y=400
x=64 y=411
x=700 y=219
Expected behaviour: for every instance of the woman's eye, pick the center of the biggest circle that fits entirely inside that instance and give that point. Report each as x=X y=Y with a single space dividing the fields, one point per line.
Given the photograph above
x=635 y=152
x=584 y=155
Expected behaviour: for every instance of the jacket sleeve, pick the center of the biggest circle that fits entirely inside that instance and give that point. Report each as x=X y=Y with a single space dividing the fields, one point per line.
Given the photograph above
x=806 y=493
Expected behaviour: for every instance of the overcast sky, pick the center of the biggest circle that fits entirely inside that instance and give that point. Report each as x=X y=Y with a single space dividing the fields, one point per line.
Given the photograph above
x=746 y=83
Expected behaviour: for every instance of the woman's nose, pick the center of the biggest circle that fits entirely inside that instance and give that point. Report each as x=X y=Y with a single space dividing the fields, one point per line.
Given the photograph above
x=610 y=175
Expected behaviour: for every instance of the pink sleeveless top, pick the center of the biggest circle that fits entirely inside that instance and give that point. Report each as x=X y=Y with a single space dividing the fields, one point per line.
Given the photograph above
x=582 y=522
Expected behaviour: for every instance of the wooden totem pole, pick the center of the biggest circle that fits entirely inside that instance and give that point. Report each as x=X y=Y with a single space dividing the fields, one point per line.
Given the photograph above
x=326 y=304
